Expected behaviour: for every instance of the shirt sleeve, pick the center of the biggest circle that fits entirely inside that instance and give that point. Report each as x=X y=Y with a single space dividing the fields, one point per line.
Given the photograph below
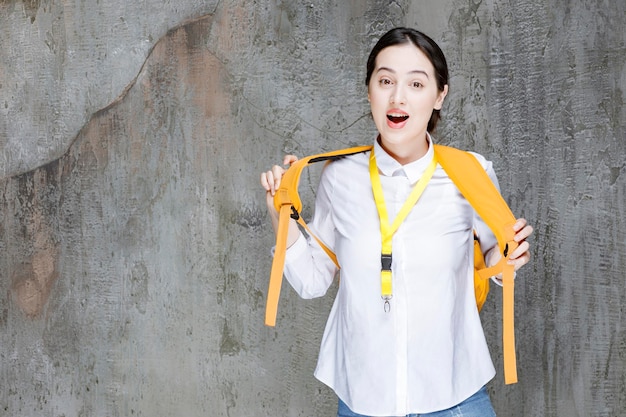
x=308 y=268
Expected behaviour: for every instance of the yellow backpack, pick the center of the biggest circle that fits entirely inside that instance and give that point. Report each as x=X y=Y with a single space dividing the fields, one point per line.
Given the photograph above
x=477 y=188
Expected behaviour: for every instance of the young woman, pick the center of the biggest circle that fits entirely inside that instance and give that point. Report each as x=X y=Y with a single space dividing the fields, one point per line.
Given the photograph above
x=422 y=351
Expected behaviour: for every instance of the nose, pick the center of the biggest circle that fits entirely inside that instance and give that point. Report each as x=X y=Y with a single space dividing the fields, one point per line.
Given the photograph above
x=398 y=95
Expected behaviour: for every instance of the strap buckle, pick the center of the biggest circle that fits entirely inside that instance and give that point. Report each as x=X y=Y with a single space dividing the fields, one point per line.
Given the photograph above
x=294 y=214
x=385 y=266
x=385 y=262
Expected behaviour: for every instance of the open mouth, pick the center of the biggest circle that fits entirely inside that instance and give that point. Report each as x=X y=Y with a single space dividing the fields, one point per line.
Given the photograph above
x=397 y=118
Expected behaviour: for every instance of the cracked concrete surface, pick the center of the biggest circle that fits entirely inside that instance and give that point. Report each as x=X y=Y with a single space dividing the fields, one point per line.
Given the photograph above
x=134 y=238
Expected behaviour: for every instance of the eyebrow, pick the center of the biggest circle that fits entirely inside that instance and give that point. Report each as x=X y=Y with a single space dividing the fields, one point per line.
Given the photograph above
x=410 y=72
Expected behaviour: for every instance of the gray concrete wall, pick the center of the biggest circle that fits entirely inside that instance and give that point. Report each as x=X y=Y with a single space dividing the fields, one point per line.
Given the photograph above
x=133 y=235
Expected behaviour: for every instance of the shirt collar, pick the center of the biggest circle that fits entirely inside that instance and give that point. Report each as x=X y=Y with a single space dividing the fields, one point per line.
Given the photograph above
x=413 y=170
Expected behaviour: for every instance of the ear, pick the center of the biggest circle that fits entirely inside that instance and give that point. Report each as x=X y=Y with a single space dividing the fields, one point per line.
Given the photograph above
x=442 y=95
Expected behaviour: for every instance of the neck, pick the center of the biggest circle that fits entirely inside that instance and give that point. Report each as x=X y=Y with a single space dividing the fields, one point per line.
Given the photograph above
x=405 y=153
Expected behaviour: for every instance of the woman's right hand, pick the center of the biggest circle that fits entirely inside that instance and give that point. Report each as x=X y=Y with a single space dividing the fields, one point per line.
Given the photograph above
x=270 y=180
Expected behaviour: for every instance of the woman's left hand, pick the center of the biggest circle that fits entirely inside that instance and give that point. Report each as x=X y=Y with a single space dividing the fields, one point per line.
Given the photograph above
x=521 y=255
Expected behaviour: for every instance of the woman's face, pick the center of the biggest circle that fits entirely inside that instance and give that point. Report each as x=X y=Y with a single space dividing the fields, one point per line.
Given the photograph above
x=403 y=93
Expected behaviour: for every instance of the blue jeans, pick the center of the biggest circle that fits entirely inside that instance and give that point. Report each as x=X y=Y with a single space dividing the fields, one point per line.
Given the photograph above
x=478 y=405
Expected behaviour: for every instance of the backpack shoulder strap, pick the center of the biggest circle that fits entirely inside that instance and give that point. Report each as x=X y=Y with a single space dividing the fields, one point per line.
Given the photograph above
x=473 y=182
x=475 y=185
x=471 y=179
x=287 y=202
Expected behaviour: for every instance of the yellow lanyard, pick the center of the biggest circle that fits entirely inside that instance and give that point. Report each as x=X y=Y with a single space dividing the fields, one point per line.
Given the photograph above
x=387 y=230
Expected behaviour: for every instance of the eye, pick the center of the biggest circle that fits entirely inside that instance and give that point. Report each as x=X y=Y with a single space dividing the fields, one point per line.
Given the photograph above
x=417 y=84
x=385 y=82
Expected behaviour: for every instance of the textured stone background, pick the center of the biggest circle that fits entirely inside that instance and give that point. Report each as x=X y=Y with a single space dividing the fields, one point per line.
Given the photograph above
x=133 y=235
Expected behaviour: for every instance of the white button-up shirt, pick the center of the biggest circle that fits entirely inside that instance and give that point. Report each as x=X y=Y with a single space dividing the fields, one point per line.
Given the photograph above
x=428 y=352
